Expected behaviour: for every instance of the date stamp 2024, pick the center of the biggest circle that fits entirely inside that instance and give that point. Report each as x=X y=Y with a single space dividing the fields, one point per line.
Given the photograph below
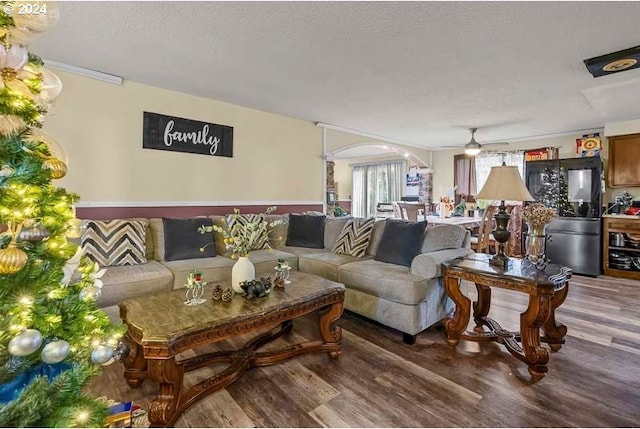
x=25 y=8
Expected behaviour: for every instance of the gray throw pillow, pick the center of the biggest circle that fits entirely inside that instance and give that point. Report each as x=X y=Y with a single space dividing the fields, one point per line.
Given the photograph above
x=183 y=241
x=442 y=237
x=306 y=231
x=400 y=243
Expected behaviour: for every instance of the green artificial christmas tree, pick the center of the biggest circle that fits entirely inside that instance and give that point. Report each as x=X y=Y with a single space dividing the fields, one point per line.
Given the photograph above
x=565 y=208
x=52 y=335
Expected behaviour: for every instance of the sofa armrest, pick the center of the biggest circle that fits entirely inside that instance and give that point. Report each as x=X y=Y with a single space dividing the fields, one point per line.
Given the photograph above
x=427 y=265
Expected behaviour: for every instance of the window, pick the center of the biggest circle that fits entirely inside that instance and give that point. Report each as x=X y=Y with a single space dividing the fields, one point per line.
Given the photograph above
x=470 y=173
x=464 y=177
x=484 y=162
x=376 y=183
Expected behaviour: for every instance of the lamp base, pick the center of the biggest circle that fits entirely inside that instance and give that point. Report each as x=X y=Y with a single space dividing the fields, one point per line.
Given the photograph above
x=501 y=261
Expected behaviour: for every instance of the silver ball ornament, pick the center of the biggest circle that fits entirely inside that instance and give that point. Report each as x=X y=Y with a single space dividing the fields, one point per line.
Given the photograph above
x=102 y=355
x=33 y=234
x=25 y=343
x=55 y=352
x=90 y=293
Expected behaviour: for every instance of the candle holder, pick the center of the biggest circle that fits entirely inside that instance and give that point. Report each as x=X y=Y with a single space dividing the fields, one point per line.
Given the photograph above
x=282 y=272
x=195 y=289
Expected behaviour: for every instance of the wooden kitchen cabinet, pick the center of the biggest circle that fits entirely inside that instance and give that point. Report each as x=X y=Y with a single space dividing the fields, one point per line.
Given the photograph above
x=624 y=167
x=629 y=228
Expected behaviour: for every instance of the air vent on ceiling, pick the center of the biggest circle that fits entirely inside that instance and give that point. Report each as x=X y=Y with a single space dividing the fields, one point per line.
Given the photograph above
x=614 y=62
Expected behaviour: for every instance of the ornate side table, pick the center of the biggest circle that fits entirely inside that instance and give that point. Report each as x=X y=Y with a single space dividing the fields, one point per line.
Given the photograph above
x=547 y=290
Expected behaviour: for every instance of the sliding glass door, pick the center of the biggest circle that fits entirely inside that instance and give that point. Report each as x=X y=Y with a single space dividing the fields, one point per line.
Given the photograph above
x=376 y=183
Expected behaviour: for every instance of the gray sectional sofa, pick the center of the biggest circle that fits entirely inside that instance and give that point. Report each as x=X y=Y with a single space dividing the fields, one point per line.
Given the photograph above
x=409 y=299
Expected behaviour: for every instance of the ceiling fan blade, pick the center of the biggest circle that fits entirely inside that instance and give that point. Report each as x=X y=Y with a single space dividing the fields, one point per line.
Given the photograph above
x=495 y=144
x=453 y=146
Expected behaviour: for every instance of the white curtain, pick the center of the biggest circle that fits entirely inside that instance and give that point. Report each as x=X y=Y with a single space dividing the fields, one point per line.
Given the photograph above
x=376 y=183
x=486 y=160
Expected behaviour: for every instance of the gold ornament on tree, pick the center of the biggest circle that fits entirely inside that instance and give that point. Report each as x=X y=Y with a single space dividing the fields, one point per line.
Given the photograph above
x=57 y=168
x=12 y=259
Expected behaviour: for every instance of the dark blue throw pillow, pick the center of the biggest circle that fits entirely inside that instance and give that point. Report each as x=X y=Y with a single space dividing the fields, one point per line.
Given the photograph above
x=183 y=241
x=401 y=241
x=306 y=231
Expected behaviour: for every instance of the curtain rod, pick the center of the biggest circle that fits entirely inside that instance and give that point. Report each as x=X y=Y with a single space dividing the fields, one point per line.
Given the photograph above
x=365 y=164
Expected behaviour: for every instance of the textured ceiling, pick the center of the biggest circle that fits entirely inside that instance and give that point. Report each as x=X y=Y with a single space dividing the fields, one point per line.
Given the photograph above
x=421 y=73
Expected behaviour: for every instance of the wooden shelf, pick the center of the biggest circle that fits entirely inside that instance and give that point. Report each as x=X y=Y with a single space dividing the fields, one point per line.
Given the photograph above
x=617 y=225
x=613 y=272
x=625 y=249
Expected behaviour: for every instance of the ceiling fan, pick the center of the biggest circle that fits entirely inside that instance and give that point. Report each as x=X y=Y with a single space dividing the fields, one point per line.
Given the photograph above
x=473 y=147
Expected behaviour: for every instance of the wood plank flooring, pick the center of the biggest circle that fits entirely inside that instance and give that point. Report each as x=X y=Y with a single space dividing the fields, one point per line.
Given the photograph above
x=593 y=381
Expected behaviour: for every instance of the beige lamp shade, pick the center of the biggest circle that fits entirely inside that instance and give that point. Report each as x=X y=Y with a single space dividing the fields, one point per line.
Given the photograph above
x=504 y=183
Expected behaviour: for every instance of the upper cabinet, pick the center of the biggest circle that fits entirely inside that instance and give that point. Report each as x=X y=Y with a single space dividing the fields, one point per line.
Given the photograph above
x=624 y=160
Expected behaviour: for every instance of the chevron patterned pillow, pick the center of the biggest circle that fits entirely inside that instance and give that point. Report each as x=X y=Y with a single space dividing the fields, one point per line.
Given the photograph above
x=354 y=238
x=115 y=242
x=259 y=220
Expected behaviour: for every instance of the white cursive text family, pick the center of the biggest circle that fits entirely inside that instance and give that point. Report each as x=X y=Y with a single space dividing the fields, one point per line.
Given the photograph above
x=196 y=137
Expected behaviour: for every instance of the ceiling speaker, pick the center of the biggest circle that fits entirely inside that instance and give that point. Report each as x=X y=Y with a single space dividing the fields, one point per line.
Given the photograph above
x=615 y=62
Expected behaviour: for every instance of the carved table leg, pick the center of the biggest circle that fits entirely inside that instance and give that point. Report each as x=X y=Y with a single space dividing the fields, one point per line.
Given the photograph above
x=530 y=322
x=456 y=325
x=329 y=332
x=164 y=409
x=134 y=363
x=482 y=305
x=555 y=332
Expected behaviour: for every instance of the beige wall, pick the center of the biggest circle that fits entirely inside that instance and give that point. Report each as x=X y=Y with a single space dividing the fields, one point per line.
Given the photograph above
x=342 y=175
x=276 y=158
x=443 y=161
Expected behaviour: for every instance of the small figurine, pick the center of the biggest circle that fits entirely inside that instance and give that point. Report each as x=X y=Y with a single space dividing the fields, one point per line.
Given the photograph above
x=217 y=292
x=256 y=288
x=227 y=295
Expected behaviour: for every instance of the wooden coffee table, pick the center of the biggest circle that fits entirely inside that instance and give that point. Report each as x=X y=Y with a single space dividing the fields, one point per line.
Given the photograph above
x=547 y=290
x=161 y=326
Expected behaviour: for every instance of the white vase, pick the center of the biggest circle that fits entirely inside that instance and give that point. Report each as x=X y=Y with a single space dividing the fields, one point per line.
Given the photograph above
x=243 y=270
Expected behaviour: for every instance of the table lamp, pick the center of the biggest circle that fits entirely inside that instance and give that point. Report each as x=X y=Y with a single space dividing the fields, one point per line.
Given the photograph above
x=504 y=183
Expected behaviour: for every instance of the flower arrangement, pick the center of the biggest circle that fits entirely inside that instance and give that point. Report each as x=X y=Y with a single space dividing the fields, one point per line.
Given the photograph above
x=537 y=215
x=242 y=237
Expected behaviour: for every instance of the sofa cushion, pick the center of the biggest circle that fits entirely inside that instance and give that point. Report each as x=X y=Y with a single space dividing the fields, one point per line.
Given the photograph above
x=115 y=242
x=333 y=227
x=441 y=237
x=389 y=281
x=148 y=242
x=265 y=260
x=306 y=231
x=298 y=251
x=376 y=236
x=400 y=242
x=213 y=269
x=324 y=264
x=130 y=282
x=182 y=240
x=354 y=238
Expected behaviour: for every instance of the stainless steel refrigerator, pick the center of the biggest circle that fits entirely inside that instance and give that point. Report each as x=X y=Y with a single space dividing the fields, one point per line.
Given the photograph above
x=573 y=187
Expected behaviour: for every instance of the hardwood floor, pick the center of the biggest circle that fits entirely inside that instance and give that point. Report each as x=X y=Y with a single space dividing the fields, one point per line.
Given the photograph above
x=594 y=380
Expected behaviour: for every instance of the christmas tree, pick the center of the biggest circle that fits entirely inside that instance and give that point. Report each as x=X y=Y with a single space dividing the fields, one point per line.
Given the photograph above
x=565 y=208
x=52 y=335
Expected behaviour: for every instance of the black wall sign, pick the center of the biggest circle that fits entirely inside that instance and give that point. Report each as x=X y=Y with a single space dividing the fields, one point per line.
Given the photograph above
x=185 y=135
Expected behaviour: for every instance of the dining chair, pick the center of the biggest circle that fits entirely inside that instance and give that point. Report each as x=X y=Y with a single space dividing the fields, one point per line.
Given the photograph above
x=484 y=242
x=409 y=211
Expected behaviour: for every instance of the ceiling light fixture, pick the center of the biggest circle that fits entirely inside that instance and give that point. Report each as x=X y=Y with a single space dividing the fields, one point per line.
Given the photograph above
x=473 y=147
x=93 y=74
